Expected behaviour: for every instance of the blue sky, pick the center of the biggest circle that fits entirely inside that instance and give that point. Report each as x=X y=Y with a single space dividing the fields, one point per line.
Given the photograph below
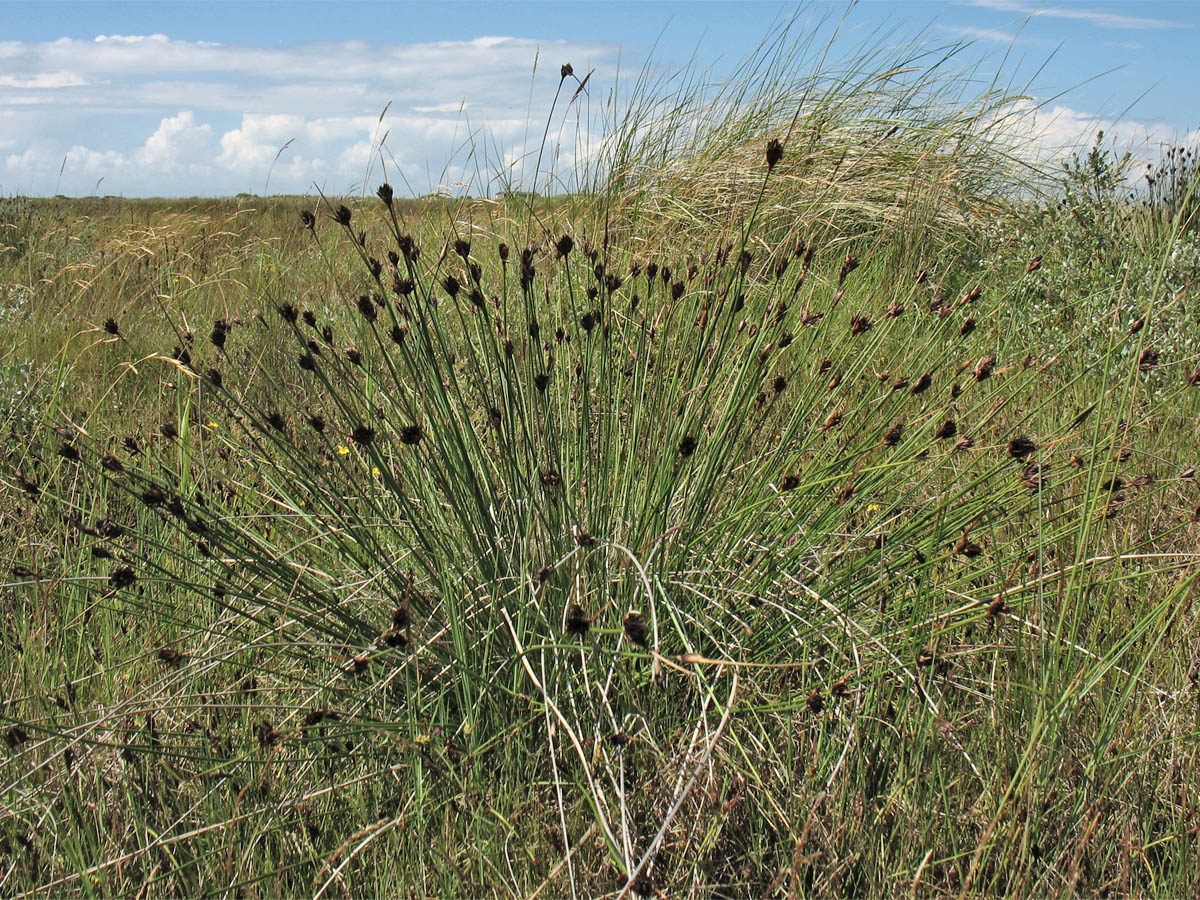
x=178 y=99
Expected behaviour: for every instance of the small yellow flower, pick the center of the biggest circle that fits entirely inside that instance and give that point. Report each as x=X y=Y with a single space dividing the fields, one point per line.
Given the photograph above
x=343 y=449
x=873 y=508
x=374 y=470
x=213 y=425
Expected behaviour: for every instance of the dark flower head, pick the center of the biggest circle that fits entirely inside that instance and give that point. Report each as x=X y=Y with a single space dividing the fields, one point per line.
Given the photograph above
x=110 y=325
x=451 y=286
x=774 y=153
x=68 y=452
x=411 y=434
x=354 y=356
x=564 y=246
x=289 y=312
x=636 y=629
x=342 y=216
x=577 y=620
x=385 y=194
x=275 y=420
x=687 y=446
x=363 y=435
x=463 y=248
x=122 y=577
x=214 y=377
x=566 y=71
x=1020 y=447
x=948 y=430
x=308 y=220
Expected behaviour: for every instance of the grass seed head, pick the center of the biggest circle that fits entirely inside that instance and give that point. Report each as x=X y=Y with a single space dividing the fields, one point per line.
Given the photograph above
x=774 y=153
x=636 y=629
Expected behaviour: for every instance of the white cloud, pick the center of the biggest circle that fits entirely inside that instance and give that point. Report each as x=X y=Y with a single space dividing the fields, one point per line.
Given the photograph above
x=1096 y=17
x=169 y=116
x=43 y=80
x=1046 y=133
x=442 y=107
x=177 y=139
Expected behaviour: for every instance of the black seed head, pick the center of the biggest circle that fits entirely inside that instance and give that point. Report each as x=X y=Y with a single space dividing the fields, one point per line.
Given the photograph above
x=687 y=446
x=342 y=216
x=410 y=435
x=774 y=153
x=289 y=312
x=577 y=620
x=122 y=577
x=308 y=220
x=948 y=430
x=110 y=325
x=276 y=421
x=68 y=451
x=385 y=194
x=636 y=629
x=1020 y=447
x=362 y=435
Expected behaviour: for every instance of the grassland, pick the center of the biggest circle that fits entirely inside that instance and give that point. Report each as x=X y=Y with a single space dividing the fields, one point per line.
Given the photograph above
x=809 y=513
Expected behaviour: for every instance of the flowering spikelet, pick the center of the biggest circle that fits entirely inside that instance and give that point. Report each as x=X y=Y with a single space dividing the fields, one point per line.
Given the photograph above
x=947 y=430
x=1020 y=447
x=774 y=153
x=636 y=629
x=859 y=324
x=577 y=621
x=983 y=368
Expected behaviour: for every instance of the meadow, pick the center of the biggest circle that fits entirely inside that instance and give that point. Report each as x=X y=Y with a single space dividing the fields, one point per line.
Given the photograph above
x=805 y=505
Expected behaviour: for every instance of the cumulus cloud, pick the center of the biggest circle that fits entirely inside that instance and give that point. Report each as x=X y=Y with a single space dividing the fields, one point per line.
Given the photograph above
x=1045 y=133
x=180 y=117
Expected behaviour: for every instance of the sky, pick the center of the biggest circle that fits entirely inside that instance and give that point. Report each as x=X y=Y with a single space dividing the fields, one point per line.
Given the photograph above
x=217 y=98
